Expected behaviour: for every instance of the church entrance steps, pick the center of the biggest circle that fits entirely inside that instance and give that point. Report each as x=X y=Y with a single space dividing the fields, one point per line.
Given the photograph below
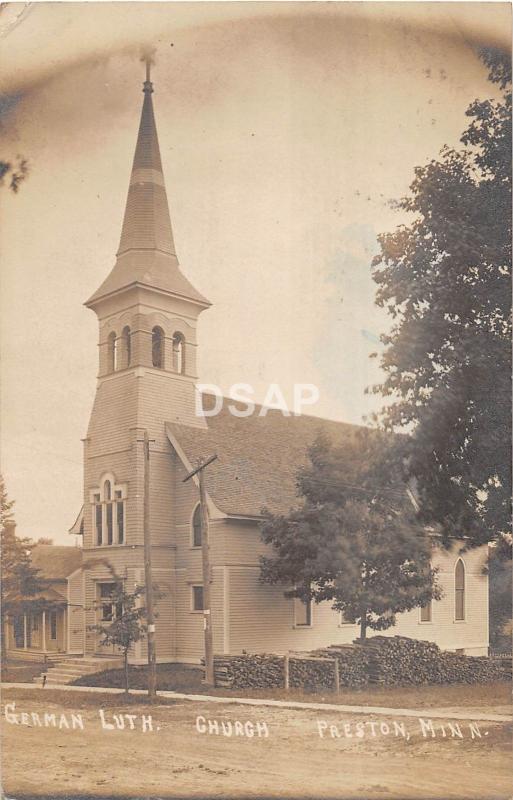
x=69 y=669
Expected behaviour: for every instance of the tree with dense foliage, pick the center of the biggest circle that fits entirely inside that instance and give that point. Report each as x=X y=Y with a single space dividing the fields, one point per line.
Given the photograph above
x=354 y=540
x=20 y=583
x=500 y=588
x=445 y=280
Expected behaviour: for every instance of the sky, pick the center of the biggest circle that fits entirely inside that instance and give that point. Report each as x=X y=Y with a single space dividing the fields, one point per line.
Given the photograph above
x=286 y=130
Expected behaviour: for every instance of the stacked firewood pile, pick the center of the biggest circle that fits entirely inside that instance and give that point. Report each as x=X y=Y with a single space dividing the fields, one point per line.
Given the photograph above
x=305 y=670
x=353 y=663
x=470 y=669
x=395 y=660
x=249 y=672
x=386 y=660
x=310 y=673
x=505 y=661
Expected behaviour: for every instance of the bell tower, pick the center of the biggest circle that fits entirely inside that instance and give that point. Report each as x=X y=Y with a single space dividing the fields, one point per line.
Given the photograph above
x=147 y=312
x=146 y=307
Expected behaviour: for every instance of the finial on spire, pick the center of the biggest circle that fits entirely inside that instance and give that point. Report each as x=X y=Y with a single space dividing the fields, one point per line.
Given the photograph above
x=148 y=86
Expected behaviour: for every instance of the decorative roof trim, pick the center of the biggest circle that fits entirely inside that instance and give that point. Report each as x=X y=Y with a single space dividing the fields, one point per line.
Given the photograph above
x=75 y=528
x=213 y=510
x=93 y=300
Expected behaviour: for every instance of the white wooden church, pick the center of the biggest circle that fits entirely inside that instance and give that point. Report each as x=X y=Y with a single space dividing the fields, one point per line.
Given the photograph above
x=147 y=312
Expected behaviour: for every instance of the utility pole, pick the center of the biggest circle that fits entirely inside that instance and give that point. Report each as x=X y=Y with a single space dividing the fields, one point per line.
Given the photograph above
x=205 y=562
x=148 y=576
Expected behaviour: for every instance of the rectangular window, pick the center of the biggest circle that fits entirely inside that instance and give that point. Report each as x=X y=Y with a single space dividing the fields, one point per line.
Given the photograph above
x=302 y=612
x=197 y=598
x=110 y=537
x=120 y=518
x=109 y=610
x=35 y=623
x=425 y=612
x=53 y=625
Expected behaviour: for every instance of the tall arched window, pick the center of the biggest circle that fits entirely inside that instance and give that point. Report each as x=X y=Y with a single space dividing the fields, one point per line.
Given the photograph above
x=157 y=347
x=459 y=590
x=196 y=527
x=179 y=353
x=127 y=346
x=111 y=352
x=109 y=513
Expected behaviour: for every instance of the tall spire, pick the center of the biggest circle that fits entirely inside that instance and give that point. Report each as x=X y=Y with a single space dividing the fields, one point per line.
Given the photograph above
x=147 y=223
x=146 y=253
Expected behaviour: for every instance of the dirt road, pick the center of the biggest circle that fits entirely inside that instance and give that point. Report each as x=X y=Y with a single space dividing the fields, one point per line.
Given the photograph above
x=209 y=750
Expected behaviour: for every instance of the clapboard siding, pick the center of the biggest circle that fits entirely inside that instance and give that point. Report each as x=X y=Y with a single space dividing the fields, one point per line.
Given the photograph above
x=165 y=618
x=76 y=613
x=186 y=498
x=262 y=619
x=189 y=625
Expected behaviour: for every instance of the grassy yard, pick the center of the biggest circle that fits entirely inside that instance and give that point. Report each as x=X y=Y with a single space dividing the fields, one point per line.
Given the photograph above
x=179 y=678
x=21 y=671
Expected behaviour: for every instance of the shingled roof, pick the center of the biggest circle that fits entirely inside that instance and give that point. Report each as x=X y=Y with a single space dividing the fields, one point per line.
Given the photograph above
x=258 y=456
x=56 y=562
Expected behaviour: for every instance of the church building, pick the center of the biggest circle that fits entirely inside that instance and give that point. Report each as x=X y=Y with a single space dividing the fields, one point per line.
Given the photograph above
x=148 y=313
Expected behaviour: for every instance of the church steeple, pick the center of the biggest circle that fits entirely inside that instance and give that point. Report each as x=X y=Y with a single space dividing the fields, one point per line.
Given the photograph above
x=147 y=224
x=147 y=254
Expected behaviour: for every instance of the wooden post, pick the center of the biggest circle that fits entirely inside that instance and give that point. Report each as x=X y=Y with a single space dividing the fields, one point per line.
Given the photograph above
x=205 y=561
x=286 y=670
x=24 y=631
x=337 y=675
x=148 y=576
x=43 y=632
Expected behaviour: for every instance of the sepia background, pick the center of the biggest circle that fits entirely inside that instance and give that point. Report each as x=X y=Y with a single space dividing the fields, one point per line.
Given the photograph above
x=285 y=130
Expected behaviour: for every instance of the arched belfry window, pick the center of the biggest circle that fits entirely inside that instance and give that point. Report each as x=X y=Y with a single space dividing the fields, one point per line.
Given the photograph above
x=157 y=347
x=179 y=353
x=127 y=346
x=108 y=504
x=111 y=352
x=196 y=527
x=459 y=590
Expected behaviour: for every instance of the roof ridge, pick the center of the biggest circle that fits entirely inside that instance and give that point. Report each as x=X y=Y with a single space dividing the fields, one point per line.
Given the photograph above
x=290 y=414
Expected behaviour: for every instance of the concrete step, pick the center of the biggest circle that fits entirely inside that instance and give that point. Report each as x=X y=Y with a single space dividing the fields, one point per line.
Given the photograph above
x=73 y=672
x=68 y=670
x=93 y=663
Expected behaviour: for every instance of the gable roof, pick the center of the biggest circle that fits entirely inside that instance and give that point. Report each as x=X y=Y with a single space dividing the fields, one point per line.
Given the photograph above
x=55 y=562
x=258 y=456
